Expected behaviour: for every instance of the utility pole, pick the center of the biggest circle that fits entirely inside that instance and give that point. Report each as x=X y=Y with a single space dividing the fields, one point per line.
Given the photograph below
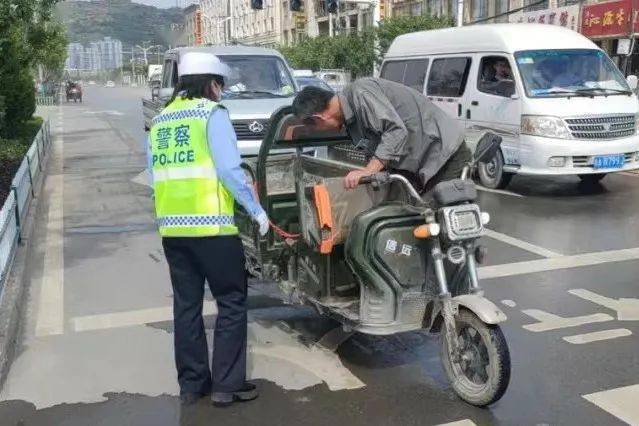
x=460 y=13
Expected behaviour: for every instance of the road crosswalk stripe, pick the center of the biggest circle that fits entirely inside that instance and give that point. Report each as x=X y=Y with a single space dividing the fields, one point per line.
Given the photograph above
x=524 y=245
x=580 y=339
x=620 y=402
x=465 y=422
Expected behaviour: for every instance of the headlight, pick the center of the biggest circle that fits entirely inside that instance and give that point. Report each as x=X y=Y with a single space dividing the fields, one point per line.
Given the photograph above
x=549 y=127
x=462 y=222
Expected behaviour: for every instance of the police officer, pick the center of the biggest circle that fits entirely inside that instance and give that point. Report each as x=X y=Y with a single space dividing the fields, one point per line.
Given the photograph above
x=197 y=178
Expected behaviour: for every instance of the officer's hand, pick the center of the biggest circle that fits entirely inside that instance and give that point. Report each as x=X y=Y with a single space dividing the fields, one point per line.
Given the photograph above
x=352 y=179
x=264 y=224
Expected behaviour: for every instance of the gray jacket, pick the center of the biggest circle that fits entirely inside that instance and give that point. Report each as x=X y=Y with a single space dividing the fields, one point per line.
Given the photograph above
x=399 y=126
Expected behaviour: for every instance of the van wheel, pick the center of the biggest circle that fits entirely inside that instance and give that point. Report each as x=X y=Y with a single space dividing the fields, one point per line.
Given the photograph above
x=492 y=174
x=592 y=179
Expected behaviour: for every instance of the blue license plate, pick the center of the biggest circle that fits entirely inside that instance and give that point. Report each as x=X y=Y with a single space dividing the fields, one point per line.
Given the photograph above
x=609 y=162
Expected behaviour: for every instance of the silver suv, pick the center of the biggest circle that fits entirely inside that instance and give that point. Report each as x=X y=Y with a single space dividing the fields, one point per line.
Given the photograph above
x=260 y=83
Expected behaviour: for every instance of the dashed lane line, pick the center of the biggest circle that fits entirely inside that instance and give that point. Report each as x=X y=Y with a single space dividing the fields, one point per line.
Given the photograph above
x=620 y=402
x=555 y=263
x=597 y=336
x=524 y=245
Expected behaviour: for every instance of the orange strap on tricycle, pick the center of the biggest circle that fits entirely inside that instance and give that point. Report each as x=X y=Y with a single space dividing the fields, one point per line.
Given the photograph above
x=325 y=217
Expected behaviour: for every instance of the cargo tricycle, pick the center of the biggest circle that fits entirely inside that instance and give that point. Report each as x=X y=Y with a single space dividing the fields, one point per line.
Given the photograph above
x=377 y=266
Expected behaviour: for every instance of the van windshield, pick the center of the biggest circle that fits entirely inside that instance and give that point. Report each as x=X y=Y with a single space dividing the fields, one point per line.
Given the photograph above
x=569 y=72
x=254 y=77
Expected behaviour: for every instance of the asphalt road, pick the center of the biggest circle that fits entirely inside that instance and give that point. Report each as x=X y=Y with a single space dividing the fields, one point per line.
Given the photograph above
x=96 y=346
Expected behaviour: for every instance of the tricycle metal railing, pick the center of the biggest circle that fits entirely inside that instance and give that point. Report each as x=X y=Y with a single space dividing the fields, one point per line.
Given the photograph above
x=16 y=207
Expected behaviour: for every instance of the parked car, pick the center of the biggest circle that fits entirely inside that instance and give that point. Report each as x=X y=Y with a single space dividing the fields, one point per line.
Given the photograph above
x=91 y=83
x=559 y=102
x=261 y=82
x=303 y=82
x=336 y=79
x=109 y=84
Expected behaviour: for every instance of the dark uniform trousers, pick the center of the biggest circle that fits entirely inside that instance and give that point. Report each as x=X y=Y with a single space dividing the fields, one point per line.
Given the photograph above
x=220 y=261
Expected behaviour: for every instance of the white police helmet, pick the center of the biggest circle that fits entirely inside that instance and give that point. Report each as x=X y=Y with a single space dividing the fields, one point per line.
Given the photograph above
x=193 y=63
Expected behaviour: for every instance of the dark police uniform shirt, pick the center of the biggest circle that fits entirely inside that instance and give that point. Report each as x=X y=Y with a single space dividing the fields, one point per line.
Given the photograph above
x=399 y=126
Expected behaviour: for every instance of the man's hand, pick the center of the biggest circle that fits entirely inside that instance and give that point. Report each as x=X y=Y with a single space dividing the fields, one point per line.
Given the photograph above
x=352 y=179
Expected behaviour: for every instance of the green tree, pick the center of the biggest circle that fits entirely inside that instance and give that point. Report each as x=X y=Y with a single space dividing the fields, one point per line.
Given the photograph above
x=389 y=29
x=28 y=38
x=357 y=52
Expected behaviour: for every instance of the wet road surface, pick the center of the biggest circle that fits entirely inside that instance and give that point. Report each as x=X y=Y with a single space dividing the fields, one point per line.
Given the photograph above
x=96 y=346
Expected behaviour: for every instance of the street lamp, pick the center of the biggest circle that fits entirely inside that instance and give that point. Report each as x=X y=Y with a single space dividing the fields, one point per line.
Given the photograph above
x=146 y=49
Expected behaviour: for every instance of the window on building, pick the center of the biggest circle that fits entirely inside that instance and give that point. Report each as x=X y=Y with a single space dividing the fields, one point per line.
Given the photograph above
x=501 y=6
x=563 y=3
x=408 y=72
x=479 y=9
x=448 y=77
x=540 y=6
x=435 y=7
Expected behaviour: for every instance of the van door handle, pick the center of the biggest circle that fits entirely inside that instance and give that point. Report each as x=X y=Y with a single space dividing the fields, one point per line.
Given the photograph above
x=474 y=103
x=468 y=114
x=459 y=110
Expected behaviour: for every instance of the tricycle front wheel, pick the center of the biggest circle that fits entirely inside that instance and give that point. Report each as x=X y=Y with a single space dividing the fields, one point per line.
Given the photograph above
x=481 y=372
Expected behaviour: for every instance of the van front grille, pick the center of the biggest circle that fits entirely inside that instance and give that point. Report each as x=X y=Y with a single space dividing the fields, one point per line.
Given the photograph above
x=603 y=127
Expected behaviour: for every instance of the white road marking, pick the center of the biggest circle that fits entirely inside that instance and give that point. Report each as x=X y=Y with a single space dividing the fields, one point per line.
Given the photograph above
x=50 y=317
x=144 y=178
x=108 y=112
x=548 y=321
x=465 y=422
x=563 y=262
x=620 y=402
x=498 y=191
x=597 y=336
x=131 y=318
x=509 y=303
x=521 y=244
x=627 y=309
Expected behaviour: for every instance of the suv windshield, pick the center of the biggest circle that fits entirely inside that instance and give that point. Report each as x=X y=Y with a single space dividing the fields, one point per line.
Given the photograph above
x=569 y=72
x=257 y=77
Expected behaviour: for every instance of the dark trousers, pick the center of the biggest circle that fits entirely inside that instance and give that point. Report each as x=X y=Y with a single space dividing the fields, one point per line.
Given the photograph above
x=219 y=260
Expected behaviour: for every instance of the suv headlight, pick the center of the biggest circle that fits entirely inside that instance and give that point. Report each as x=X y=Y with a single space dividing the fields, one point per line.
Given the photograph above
x=549 y=127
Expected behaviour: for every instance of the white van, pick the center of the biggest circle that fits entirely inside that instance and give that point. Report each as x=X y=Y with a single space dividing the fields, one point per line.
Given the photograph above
x=558 y=100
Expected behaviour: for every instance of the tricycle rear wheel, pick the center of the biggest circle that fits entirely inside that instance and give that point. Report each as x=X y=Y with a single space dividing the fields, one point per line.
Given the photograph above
x=481 y=374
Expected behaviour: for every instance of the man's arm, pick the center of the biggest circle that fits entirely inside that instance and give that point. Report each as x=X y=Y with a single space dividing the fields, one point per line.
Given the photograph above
x=223 y=146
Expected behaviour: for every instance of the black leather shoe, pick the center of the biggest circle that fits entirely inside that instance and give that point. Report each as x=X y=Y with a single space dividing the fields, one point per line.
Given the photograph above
x=248 y=392
x=190 y=398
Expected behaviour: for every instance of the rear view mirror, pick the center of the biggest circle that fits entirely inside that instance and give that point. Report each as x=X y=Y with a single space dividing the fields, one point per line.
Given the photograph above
x=487 y=147
x=166 y=92
x=632 y=82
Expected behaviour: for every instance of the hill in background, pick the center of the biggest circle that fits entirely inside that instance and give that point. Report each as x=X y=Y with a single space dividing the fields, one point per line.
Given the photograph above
x=131 y=23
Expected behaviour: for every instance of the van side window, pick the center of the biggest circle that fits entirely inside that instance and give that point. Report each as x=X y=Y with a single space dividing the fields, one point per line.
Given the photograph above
x=448 y=77
x=174 y=75
x=409 y=72
x=393 y=71
x=495 y=76
x=166 y=73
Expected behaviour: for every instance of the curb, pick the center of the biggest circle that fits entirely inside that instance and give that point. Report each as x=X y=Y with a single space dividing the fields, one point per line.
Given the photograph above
x=13 y=294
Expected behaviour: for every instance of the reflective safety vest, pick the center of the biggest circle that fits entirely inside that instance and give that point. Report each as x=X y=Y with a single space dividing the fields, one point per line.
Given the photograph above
x=190 y=201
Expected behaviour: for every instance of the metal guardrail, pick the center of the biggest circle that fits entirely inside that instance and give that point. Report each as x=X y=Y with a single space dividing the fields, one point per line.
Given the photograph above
x=47 y=100
x=15 y=208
